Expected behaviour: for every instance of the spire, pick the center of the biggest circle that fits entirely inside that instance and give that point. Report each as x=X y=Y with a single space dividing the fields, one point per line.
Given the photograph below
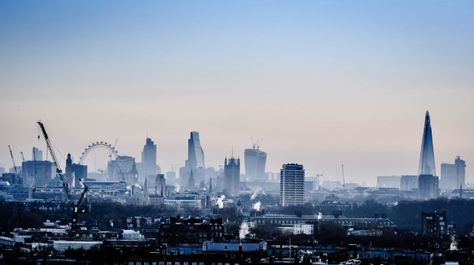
x=427 y=164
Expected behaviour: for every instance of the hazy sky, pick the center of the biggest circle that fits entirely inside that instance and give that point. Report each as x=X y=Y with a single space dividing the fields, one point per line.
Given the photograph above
x=323 y=82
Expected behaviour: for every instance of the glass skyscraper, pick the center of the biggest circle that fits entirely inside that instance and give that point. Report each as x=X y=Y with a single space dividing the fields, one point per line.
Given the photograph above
x=195 y=152
x=427 y=164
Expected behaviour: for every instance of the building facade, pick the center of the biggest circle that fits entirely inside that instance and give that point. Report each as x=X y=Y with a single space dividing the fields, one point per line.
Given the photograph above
x=292 y=184
x=453 y=176
x=427 y=164
x=428 y=186
x=195 y=152
x=434 y=224
x=149 y=158
x=388 y=182
x=123 y=168
x=232 y=176
x=255 y=161
x=190 y=231
x=37 y=173
x=408 y=182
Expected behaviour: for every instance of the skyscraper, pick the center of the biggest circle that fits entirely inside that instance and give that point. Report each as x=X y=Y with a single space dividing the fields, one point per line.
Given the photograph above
x=149 y=158
x=453 y=176
x=292 y=184
x=36 y=154
x=232 y=176
x=428 y=186
x=255 y=161
x=195 y=152
x=37 y=173
x=427 y=164
x=123 y=168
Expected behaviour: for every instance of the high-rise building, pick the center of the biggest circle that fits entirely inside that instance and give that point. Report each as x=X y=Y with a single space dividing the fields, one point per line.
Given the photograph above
x=428 y=186
x=453 y=176
x=36 y=154
x=388 y=182
x=292 y=185
x=427 y=164
x=123 y=168
x=149 y=158
x=255 y=161
x=409 y=182
x=194 y=163
x=428 y=182
x=37 y=173
x=232 y=176
x=195 y=152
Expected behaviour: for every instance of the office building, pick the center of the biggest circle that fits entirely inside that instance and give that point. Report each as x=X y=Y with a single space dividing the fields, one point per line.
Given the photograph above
x=453 y=176
x=408 y=182
x=292 y=185
x=194 y=163
x=427 y=164
x=232 y=176
x=195 y=152
x=255 y=161
x=428 y=182
x=123 y=168
x=428 y=186
x=149 y=159
x=36 y=154
x=388 y=182
x=37 y=173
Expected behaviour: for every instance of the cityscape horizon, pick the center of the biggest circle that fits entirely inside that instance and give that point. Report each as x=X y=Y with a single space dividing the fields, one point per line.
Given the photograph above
x=211 y=132
x=332 y=173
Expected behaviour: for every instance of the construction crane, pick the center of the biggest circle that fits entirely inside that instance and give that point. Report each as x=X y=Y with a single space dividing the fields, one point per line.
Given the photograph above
x=59 y=171
x=13 y=160
x=75 y=210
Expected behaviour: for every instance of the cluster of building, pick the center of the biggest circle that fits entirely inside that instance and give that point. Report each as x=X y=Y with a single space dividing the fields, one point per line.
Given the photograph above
x=129 y=181
x=427 y=184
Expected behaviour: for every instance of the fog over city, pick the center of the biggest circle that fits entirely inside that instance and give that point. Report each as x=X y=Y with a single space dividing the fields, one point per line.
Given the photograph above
x=204 y=132
x=323 y=83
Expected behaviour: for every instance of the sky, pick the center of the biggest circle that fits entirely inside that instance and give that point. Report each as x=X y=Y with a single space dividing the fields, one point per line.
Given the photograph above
x=324 y=83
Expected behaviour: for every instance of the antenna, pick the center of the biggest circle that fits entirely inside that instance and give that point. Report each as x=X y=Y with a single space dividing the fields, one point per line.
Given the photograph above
x=343 y=179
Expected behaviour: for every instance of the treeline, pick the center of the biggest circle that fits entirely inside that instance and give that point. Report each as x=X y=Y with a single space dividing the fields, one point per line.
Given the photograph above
x=101 y=214
x=405 y=214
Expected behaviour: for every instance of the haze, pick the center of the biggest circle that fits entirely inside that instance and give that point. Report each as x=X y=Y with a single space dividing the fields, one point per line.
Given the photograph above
x=323 y=82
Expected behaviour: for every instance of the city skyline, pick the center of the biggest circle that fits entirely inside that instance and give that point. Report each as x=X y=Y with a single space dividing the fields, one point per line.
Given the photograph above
x=356 y=78
x=337 y=175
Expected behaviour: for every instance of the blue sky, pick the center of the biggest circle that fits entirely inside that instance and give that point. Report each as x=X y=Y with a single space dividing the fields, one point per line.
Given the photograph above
x=352 y=78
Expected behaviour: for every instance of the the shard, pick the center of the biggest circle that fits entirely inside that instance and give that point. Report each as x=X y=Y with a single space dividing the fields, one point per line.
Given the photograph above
x=427 y=161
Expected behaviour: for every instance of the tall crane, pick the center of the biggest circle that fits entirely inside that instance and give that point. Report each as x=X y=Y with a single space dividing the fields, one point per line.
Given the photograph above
x=75 y=210
x=59 y=171
x=13 y=160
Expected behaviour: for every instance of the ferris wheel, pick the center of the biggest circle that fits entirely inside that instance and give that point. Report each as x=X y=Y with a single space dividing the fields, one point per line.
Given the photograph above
x=113 y=153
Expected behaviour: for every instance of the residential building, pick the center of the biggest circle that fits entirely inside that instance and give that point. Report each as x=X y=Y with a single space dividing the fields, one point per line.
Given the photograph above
x=292 y=184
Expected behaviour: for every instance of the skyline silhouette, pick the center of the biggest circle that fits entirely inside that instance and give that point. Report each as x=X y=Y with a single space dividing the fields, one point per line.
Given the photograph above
x=323 y=82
